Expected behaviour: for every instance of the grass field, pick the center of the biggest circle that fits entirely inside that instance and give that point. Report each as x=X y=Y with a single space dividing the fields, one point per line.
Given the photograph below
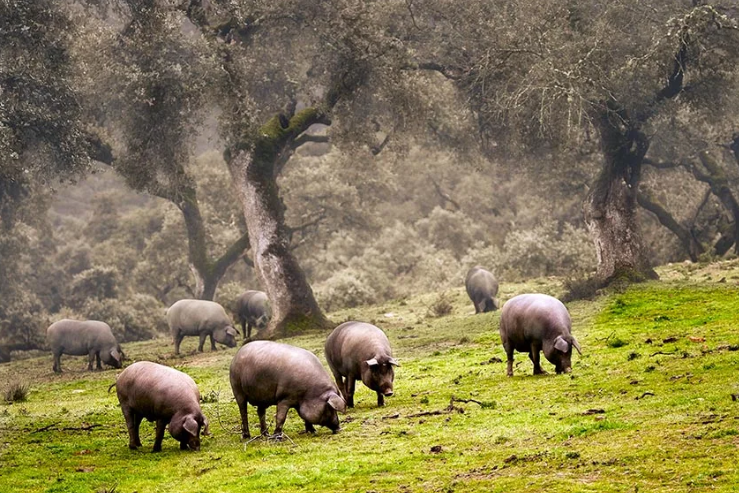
x=648 y=408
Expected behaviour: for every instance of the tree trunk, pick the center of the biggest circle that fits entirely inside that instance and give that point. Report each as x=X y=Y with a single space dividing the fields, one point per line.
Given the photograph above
x=611 y=206
x=719 y=183
x=691 y=245
x=207 y=273
x=254 y=170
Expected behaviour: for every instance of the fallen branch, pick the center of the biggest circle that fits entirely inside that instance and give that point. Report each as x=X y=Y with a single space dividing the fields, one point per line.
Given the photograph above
x=45 y=428
x=448 y=410
x=663 y=353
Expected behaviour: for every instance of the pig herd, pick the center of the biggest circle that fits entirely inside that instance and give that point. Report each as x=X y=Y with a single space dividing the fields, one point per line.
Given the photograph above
x=265 y=373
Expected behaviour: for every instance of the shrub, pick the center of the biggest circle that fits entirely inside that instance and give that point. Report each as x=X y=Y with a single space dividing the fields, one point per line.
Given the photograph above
x=135 y=318
x=97 y=283
x=441 y=306
x=16 y=392
x=347 y=288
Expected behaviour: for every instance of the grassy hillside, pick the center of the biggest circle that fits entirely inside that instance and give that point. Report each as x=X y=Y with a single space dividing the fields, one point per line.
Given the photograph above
x=648 y=407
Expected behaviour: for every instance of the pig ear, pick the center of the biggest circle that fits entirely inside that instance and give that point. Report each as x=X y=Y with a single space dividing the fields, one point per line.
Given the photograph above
x=206 y=426
x=393 y=362
x=231 y=331
x=575 y=343
x=561 y=345
x=371 y=362
x=190 y=426
x=115 y=354
x=337 y=402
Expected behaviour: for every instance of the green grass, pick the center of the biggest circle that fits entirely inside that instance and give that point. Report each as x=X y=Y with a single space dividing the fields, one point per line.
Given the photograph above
x=662 y=416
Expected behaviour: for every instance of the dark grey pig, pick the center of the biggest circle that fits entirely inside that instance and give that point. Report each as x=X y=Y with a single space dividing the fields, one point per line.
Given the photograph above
x=265 y=373
x=531 y=323
x=357 y=350
x=200 y=318
x=162 y=394
x=481 y=288
x=79 y=338
x=253 y=310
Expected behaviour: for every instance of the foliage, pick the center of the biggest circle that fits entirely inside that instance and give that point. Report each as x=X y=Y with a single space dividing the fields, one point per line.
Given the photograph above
x=41 y=134
x=97 y=283
x=132 y=318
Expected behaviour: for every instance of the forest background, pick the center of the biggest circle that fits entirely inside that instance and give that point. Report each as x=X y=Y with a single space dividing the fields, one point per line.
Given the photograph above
x=397 y=144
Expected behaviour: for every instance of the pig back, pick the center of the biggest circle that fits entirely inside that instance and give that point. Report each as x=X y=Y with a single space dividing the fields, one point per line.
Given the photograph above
x=267 y=372
x=351 y=343
x=157 y=391
x=480 y=284
x=533 y=317
x=77 y=337
x=192 y=317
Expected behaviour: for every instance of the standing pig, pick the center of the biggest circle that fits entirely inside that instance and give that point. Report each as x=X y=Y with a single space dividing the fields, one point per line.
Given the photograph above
x=481 y=288
x=358 y=350
x=162 y=394
x=253 y=310
x=78 y=338
x=200 y=318
x=265 y=373
x=534 y=322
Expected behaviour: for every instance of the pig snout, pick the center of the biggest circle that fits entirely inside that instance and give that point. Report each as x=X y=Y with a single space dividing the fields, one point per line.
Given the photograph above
x=388 y=392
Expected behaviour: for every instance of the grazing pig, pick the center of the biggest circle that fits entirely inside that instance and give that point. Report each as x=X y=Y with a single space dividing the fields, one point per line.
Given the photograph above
x=200 y=318
x=481 y=288
x=253 y=310
x=356 y=350
x=534 y=322
x=265 y=373
x=162 y=394
x=78 y=338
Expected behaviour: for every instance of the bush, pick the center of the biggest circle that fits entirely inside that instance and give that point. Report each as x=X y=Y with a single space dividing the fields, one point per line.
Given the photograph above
x=136 y=318
x=98 y=283
x=441 y=306
x=347 y=288
x=16 y=392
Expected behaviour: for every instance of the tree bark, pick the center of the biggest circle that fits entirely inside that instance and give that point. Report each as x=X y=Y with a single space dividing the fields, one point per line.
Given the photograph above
x=254 y=166
x=719 y=183
x=610 y=207
x=207 y=273
x=691 y=245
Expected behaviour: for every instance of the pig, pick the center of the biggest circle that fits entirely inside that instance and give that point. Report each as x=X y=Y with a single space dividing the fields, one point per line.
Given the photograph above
x=165 y=395
x=266 y=373
x=200 y=318
x=90 y=337
x=357 y=350
x=534 y=322
x=481 y=288
x=253 y=310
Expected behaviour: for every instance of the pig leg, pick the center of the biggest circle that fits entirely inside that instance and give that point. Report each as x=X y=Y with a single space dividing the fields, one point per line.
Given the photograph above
x=97 y=360
x=136 y=425
x=380 y=399
x=241 y=401
x=90 y=359
x=309 y=428
x=534 y=355
x=262 y=412
x=202 y=341
x=161 y=425
x=243 y=328
x=129 y=416
x=177 y=340
x=509 y=354
x=282 y=409
x=340 y=382
x=57 y=363
x=212 y=342
x=350 y=382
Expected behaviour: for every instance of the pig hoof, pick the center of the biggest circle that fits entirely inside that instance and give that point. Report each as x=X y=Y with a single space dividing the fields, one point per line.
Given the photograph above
x=277 y=437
